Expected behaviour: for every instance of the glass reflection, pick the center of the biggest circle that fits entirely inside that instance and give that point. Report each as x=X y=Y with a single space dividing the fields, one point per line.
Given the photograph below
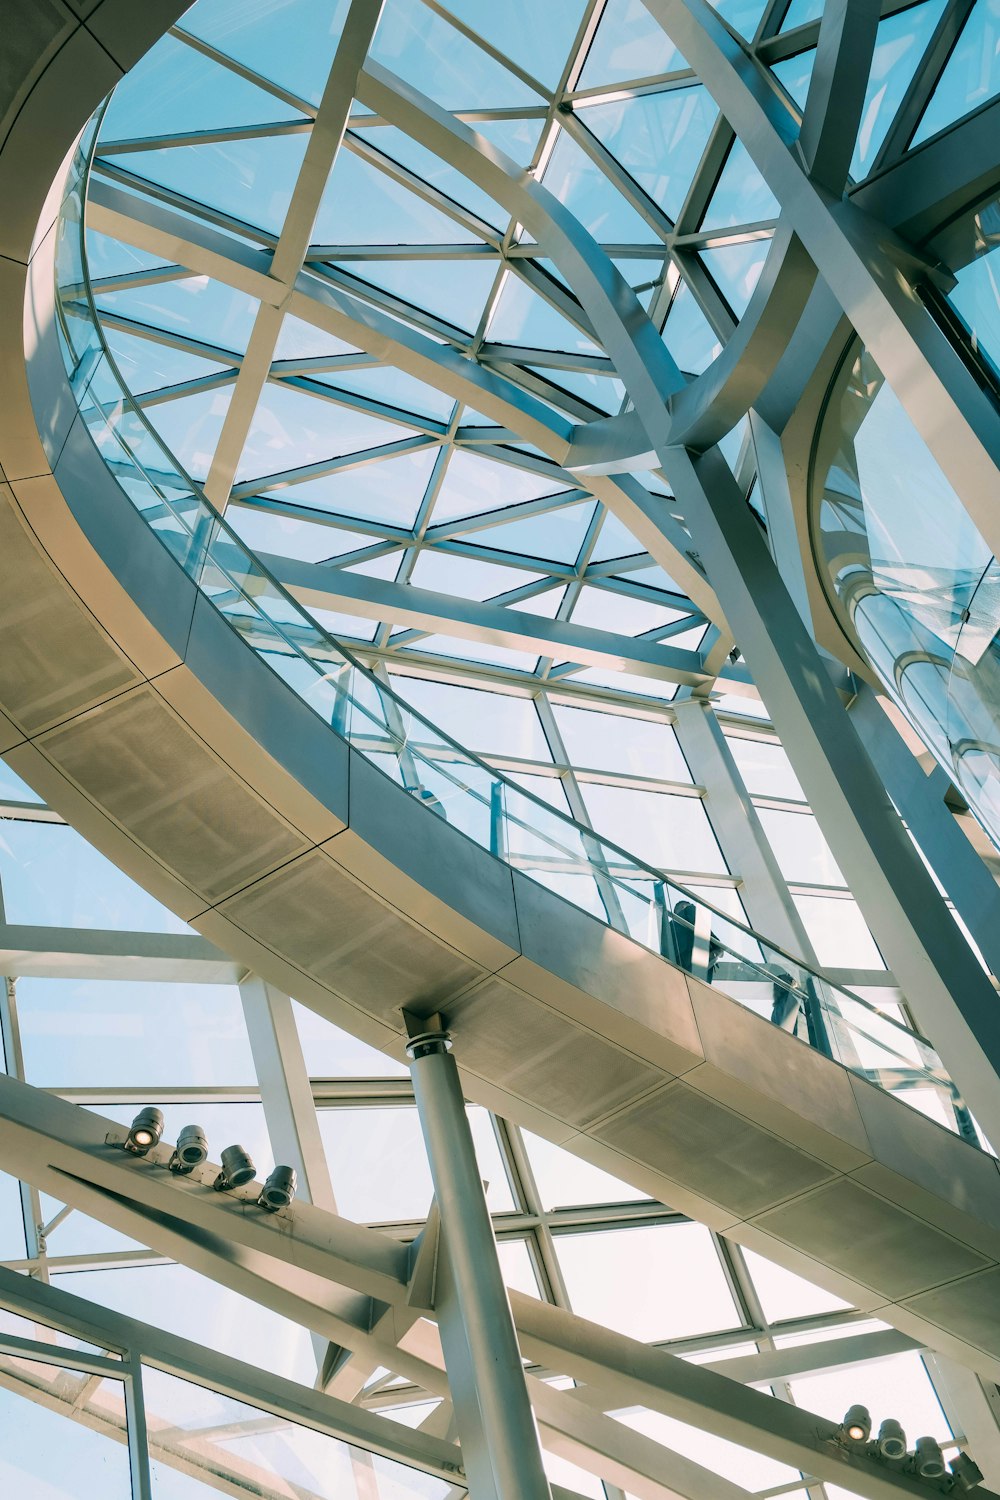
x=912 y=580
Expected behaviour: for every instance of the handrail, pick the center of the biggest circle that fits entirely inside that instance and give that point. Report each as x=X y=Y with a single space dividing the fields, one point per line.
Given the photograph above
x=515 y=825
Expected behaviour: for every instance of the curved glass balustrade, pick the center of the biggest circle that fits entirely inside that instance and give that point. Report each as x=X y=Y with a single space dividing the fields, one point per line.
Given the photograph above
x=911 y=578
x=512 y=824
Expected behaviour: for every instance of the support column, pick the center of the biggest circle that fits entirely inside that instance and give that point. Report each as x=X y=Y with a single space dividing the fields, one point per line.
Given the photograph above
x=502 y=1453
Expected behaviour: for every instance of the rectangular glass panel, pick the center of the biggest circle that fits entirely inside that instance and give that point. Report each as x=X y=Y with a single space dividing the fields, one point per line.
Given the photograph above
x=259 y=1453
x=94 y=1032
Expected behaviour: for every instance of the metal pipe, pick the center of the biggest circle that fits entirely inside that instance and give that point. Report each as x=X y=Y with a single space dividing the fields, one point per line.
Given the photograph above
x=508 y=1424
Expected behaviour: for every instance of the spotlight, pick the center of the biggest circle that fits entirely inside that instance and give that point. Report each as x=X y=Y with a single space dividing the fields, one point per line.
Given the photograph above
x=857 y=1424
x=965 y=1472
x=279 y=1189
x=891 y=1439
x=928 y=1460
x=237 y=1168
x=191 y=1150
x=147 y=1127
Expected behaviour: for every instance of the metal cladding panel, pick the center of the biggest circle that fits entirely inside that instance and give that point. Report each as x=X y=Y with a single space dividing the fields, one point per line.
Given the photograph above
x=777 y=1080
x=432 y=862
x=319 y=918
x=969 y=1308
x=871 y=1240
x=54 y=660
x=542 y=1057
x=712 y=1151
x=225 y=680
x=171 y=794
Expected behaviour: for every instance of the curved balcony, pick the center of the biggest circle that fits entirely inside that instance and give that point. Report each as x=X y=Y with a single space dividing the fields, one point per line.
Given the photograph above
x=130 y=701
x=447 y=780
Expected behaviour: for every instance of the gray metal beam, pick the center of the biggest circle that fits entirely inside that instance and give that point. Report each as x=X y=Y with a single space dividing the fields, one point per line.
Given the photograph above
x=494 y=624
x=297 y=1261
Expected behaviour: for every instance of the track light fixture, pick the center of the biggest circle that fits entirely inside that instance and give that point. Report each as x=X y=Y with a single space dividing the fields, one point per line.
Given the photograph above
x=965 y=1472
x=145 y=1131
x=928 y=1460
x=279 y=1189
x=237 y=1169
x=191 y=1150
x=891 y=1440
x=857 y=1425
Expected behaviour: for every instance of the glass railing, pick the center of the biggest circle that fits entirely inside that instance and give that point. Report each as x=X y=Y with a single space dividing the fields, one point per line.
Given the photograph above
x=546 y=845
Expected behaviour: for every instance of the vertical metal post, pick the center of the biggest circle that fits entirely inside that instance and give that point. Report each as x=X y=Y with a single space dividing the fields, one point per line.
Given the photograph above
x=135 y=1421
x=494 y=1367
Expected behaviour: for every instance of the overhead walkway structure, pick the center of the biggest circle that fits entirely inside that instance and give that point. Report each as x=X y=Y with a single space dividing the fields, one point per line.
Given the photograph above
x=167 y=696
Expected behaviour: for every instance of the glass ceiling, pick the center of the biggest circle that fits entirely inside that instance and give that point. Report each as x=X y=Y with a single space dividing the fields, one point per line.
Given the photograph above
x=325 y=456
x=328 y=456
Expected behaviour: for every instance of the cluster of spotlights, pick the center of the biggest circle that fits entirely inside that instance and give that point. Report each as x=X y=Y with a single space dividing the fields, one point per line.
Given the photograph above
x=926 y=1461
x=191 y=1151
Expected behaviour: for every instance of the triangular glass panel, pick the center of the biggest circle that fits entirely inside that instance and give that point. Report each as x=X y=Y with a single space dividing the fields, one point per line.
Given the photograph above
x=453 y=290
x=178 y=90
x=250 y=181
x=110 y=257
x=615 y=540
x=409 y=153
x=388 y=492
x=190 y=428
x=688 y=334
x=971 y=75
x=147 y=366
x=736 y=269
x=546 y=605
x=800 y=13
x=394 y=388
x=473 y=485
x=301 y=340
x=794 y=75
x=583 y=188
x=555 y=536
x=742 y=15
x=523 y=317
x=741 y=195
x=605 y=609
x=536 y=37
x=289 y=42
x=643 y=276
x=290 y=429
x=900 y=43
x=658 y=138
x=385 y=568
x=434 y=57
x=654 y=578
x=604 y=392
x=196 y=307
x=365 y=206
x=517 y=139
x=307 y=541
x=629 y=44
x=466 y=577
